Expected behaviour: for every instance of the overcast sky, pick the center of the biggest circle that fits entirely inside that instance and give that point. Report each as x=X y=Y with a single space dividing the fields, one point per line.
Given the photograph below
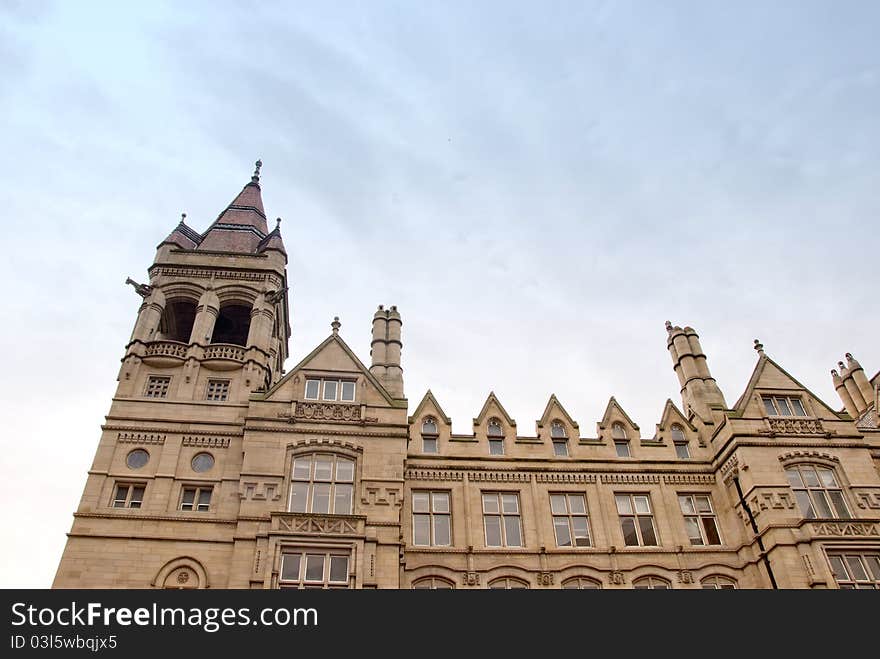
x=538 y=187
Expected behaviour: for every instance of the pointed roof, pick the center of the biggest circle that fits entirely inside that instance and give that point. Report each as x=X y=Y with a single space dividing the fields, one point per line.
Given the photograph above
x=183 y=235
x=484 y=412
x=613 y=404
x=273 y=240
x=428 y=399
x=551 y=404
x=241 y=227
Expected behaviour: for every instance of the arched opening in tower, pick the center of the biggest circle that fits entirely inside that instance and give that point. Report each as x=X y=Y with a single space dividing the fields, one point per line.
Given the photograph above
x=177 y=320
x=233 y=324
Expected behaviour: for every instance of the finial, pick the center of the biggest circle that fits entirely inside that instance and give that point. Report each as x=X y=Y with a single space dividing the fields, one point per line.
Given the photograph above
x=183 y=218
x=256 y=176
x=336 y=324
x=834 y=373
x=842 y=367
x=668 y=326
x=277 y=222
x=759 y=347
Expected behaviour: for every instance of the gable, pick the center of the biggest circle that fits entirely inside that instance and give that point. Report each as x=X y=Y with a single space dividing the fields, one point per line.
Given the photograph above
x=429 y=406
x=554 y=410
x=770 y=377
x=493 y=408
x=672 y=415
x=614 y=412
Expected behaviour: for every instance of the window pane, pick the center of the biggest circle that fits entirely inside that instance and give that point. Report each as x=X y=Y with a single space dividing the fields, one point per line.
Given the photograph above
x=323 y=468
x=315 y=567
x=312 y=388
x=442 y=535
x=509 y=503
x=703 y=505
x=440 y=502
x=827 y=477
x=344 y=470
x=137 y=494
x=557 y=504
x=494 y=429
x=820 y=503
x=838 y=568
x=299 y=497
x=490 y=503
x=682 y=451
x=321 y=498
x=622 y=449
x=624 y=505
x=342 y=499
x=189 y=495
x=563 y=533
x=794 y=477
x=290 y=567
x=805 y=504
x=810 y=477
x=576 y=504
x=429 y=427
x=677 y=434
x=687 y=505
x=798 y=407
x=330 y=389
x=339 y=568
x=646 y=525
x=782 y=404
x=874 y=566
x=856 y=569
x=420 y=502
x=560 y=448
x=496 y=447
x=121 y=496
x=422 y=529
x=581 y=531
x=711 y=529
x=512 y=531
x=839 y=504
x=493 y=531
x=429 y=445
x=557 y=430
x=302 y=468
x=768 y=407
x=693 y=530
x=630 y=538
x=642 y=505
x=348 y=391
x=618 y=431
x=204 y=498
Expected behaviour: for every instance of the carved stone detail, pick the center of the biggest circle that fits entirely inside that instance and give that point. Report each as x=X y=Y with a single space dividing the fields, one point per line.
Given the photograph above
x=777 y=499
x=844 y=529
x=471 y=579
x=545 y=578
x=689 y=479
x=685 y=576
x=627 y=479
x=433 y=475
x=379 y=495
x=795 y=426
x=327 y=412
x=500 y=476
x=255 y=491
x=317 y=524
x=867 y=499
x=806 y=455
x=139 y=438
x=617 y=578
x=565 y=478
x=205 y=442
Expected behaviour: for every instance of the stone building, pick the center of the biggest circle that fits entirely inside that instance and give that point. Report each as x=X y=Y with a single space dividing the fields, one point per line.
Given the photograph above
x=217 y=469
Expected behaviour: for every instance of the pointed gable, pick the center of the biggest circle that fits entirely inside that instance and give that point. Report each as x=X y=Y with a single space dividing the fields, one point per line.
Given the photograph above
x=771 y=377
x=273 y=241
x=553 y=411
x=614 y=412
x=429 y=406
x=672 y=415
x=493 y=408
x=333 y=355
x=241 y=227
x=183 y=236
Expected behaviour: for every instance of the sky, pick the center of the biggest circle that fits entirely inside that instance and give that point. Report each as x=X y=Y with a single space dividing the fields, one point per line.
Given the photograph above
x=536 y=186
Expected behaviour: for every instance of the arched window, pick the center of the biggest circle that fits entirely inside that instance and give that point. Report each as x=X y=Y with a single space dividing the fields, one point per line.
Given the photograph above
x=496 y=437
x=581 y=583
x=177 y=320
x=508 y=583
x=621 y=441
x=682 y=450
x=651 y=583
x=232 y=325
x=322 y=483
x=557 y=430
x=817 y=492
x=429 y=435
x=718 y=582
x=432 y=583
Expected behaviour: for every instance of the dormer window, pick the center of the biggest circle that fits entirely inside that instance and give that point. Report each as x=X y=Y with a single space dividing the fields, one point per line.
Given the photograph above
x=621 y=441
x=429 y=435
x=496 y=437
x=783 y=406
x=330 y=389
x=559 y=438
x=682 y=450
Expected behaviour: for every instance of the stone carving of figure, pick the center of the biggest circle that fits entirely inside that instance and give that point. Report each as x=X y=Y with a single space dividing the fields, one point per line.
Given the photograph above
x=274 y=297
x=143 y=290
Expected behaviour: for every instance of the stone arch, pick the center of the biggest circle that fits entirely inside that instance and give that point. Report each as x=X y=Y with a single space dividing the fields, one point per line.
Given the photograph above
x=183 y=572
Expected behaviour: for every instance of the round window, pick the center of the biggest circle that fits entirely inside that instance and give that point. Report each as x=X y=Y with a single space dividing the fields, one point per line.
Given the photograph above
x=202 y=462
x=137 y=458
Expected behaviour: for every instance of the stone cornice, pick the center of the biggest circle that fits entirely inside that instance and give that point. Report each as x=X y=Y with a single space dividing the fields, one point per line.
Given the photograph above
x=158 y=518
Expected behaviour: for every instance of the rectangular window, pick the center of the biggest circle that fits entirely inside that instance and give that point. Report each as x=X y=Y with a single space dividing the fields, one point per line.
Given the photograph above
x=502 y=520
x=856 y=570
x=313 y=389
x=570 y=521
x=699 y=519
x=429 y=444
x=324 y=389
x=314 y=568
x=128 y=495
x=682 y=450
x=330 y=389
x=218 y=390
x=622 y=448
x=321 y=483
x=196 y=498
x=347 y=391
x=496 y=447
x=432 y=519
x=560 y=448
x=157 y=386
x=636 y=519
x=783 y=406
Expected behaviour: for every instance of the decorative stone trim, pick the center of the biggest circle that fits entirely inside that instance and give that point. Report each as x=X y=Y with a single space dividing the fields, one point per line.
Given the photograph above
x=327 y=412
x=844 y=529
x=866 y=499
x=140 y=438
x=196 y=273
x=545 y=578
x=807 y=455
x=433 y=475
x=499 y=477
x=471 y=579
x=689 y=479
x=627 y=479
x=158 y=518
x=381 y=495
x=256 y=491
x=795 y=426
x=565 y=478
x=310 y=524
x=616 y=577
x=205 y=442
x=170 y=431
x=325 y=443
x=685 y=576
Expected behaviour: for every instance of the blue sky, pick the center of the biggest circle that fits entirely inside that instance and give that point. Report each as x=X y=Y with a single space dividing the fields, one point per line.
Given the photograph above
x=538 y=187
